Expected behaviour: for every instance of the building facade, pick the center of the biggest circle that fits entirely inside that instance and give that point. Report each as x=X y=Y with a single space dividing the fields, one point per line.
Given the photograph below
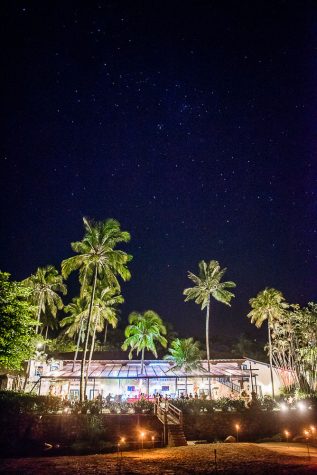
x=123 y=379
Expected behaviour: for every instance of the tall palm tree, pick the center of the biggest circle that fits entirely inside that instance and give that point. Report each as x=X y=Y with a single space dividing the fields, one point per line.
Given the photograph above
x=45 y=286
x=97 y=259
x=105 y=312
x=268 y=305
x=77 y=312
x=208 y=284
x=185 y=354
x=142 y=333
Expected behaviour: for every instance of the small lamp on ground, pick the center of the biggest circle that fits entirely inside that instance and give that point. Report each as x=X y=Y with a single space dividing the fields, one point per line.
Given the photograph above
x=153 y=440
x=237 y=426
x=287 y=434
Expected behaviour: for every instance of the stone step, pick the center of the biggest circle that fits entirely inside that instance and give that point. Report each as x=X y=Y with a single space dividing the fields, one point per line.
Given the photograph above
x=176 y=436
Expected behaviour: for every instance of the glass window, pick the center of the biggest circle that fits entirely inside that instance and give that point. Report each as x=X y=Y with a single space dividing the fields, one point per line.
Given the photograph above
x=38 y=370
x=74 y=394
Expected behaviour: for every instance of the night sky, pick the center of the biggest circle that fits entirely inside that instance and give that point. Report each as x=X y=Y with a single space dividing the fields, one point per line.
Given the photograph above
x=192 y=123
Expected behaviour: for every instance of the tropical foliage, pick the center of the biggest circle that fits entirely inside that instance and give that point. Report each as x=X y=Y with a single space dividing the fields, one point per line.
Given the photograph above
x=105 y=311
x=17 y=323
x=31 y=307
x=208 y=284
x=269 y=305
x=97 y=261
x=46 y=285
x=143 y=332
x=185 y=354
x=294 y=346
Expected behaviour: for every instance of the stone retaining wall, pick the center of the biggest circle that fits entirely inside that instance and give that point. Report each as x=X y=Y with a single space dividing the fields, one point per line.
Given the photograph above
x=254 y=425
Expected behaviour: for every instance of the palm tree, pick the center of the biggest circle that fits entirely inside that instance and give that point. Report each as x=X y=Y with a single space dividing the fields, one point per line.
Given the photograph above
x=185 y=354
x=268 y=305
x=207 y=284
x=142 y=333
x=78 y=313
x=96 y=259
x=105 y=312
x=45 y=285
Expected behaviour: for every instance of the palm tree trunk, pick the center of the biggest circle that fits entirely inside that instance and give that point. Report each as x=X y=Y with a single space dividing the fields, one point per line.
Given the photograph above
x=270 y=355
x=142 y=360
x=39 y=314
x=78 y=342
x=91 y=350
x=83 y=361
x=207 y=345
x=46 y=333
x=105 y=335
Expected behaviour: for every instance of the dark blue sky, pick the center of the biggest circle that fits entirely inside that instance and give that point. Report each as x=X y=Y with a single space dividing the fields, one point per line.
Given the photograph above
x=192 y=123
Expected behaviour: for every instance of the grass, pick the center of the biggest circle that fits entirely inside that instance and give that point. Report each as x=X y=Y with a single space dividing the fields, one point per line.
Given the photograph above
x=200 y=459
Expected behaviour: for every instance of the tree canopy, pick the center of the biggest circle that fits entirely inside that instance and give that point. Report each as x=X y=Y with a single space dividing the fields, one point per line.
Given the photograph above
x=17 y=324
x=143 y=332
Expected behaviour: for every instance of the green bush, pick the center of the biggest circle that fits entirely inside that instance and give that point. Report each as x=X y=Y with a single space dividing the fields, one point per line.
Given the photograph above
x=25 y=403
x=207 y=406
x=143 y=406
x=267 y=403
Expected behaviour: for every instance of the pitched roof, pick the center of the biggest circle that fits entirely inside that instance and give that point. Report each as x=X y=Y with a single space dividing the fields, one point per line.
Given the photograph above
x=131 y=369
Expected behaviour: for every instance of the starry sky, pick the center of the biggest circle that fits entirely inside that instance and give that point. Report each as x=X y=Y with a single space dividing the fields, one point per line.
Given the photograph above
x=191 y=122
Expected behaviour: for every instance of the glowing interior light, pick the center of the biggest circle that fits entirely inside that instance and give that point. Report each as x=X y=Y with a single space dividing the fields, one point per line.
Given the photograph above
x=301 y=406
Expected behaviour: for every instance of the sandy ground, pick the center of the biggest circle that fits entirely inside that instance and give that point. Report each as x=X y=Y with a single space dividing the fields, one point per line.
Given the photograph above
x=299 y=450
x=200 y=459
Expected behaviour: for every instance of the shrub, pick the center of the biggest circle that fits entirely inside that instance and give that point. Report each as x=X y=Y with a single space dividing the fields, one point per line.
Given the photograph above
x=143 y=406
x=25 y=403
x=267 y=403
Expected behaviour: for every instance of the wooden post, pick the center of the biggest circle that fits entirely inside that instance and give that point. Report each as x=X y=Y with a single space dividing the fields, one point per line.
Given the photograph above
x=251 y=377
x=165 y=428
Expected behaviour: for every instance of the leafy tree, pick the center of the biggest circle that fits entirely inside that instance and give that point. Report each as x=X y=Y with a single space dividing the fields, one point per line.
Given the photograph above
x=75 y=321
x=105 y=312
x=269 y=305
x=185 y=354
x=306 y=345
x=60 y=344
x=294 y=343
x=208 y=284
x=17 y=338
x=45 y=286
x=142 y=333
x=97 y=260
